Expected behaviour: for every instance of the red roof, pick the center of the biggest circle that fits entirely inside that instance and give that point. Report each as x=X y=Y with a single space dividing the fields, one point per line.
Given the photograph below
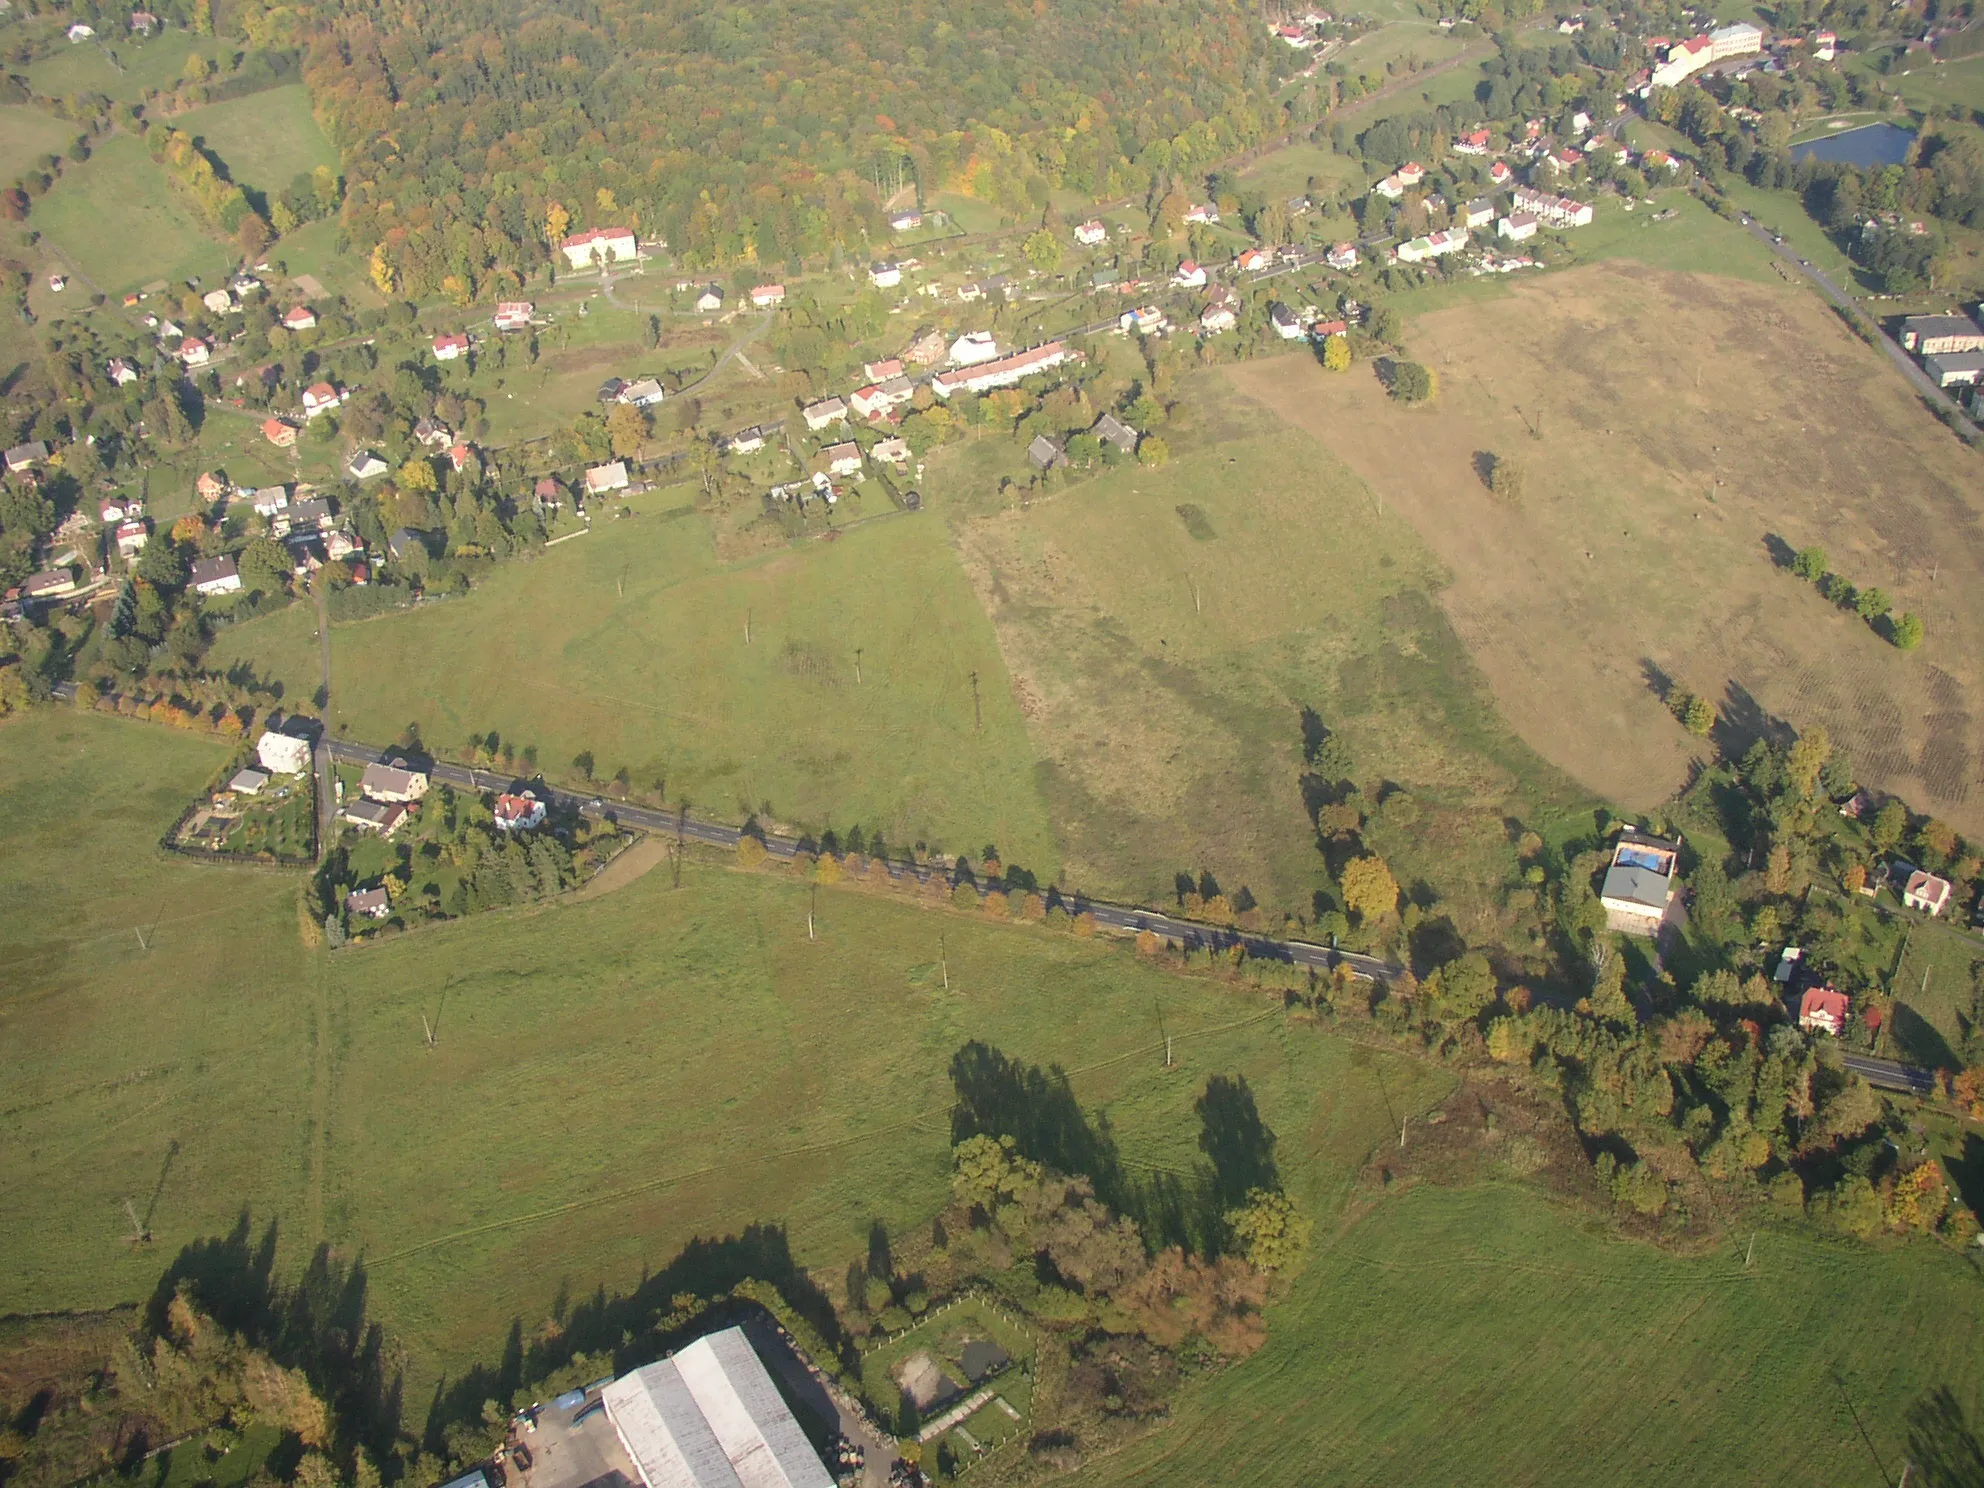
x=597 y=235
x=1825 y=1001
x=511 y=808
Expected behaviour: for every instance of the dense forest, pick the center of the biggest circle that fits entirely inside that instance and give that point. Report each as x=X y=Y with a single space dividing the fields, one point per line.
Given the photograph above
x=474 y=132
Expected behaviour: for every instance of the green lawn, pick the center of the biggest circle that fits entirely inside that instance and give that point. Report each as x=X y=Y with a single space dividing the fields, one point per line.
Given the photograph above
x=113 y=1053
x=118 y=67
x=1287 y=171
x=117 y=220
x=630 y=643
x=1481 y=1336
x=265 y=139
x=1172 y=657
x=27 y=134
x=614 y=1077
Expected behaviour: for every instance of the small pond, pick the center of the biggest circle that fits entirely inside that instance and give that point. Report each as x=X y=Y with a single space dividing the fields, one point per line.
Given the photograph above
x=1869 y=145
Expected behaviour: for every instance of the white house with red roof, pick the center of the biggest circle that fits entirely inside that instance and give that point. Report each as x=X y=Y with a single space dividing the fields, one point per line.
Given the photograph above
x=882 y=371
x=299 y=318
x=1204 y=212
x=1825 y=46
x=195 y=352
x=518 y=813
x=514 y=315
x=1925 y=892
x=1342 y=257
x=1090 y=233
x=766 y=296
x=1823 y=1010
x=1475 y=143
x=320 y=397
x=602 y=245
x=449 y=348
x=1249 y=260
x=1501 y=173
x=1189 y=275
x=1003 y=372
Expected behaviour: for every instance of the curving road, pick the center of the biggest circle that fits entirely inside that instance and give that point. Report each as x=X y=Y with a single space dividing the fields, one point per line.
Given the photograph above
x=1123 y=918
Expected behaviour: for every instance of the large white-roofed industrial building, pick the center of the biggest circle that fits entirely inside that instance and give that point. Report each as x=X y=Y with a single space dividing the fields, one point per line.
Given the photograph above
x=710 y=1417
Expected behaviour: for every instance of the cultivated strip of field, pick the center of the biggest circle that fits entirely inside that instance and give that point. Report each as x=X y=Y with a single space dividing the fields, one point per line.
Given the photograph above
x=1670 y=426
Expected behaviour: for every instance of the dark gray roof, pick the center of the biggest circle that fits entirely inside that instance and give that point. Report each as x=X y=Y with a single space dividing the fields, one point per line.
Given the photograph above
x=1114 y=431
x=1628 y=885
x=1045 y=453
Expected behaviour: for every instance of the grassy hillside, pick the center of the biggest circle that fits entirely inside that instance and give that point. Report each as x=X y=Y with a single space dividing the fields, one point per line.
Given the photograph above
x=175 y=1077
x=1479 y=1336
x=117 y=220
x=26 y=133
x=630 y=643
x=265 y=139
x=119 y=67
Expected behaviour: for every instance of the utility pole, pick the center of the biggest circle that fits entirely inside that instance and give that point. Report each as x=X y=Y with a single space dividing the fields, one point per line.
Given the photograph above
x=944 y=960
x=857 y=666
x=427 y=1029
x=747 y=627
x=977 y=712
x=1750 y=1254
x=812 y=904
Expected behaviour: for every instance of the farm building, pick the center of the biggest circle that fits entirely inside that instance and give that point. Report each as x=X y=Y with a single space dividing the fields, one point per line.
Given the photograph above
x=1938 y=335
x=710 y=1417
x=391 y=783
x=603 y=245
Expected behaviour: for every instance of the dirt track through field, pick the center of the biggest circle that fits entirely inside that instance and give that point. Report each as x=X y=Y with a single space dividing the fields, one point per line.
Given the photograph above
x=1673 y=428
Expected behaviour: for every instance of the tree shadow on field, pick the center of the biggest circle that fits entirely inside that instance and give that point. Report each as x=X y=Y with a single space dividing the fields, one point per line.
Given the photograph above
x=1658 y=681
x=1920 y=1042
x=1967 y=1173
x=1484 y=462
x=1780 y=552
x=1942 y=1442
x=1239 y=1145
x=1741 y=721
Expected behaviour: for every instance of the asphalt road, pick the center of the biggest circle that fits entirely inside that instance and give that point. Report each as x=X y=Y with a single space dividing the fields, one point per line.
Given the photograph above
x=1892 y=1074
x=1917 y=378
x=1124 y=918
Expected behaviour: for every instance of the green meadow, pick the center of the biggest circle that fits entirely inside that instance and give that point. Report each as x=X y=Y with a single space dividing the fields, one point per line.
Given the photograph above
x=118 y=220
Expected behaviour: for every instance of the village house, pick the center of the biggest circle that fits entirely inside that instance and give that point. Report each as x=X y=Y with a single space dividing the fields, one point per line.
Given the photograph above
x=905 y=221
x=1113 y=431
x=1478 y=213
x=449 y=348
x=767 y=296
x=710 y=300
x=823 y=413
x=283 y=752
x=644 y=393
x=841 y=459
x=368 y=904
x=972 y=348
x=1640 y=884
x=1938 y=335
x=513 y=315
x=746 y=441
x=602 y=479
x=143 y=23
x=110 y=512
x=1342 y=257
x=299 y=318
x=1206 y=214
x=1249 y=260
x=1189 y=275
x=403 y=543
x=1091 y=233
x=1045 y=454
x=195 y=351
x=1925 y=892
x=1823 y=1010
x=132 y=537
x=383 y=817
x=1003 y=372
x=26 y=456
x=218 y=302
x=383 y=782
x=1501 y=173
x=1294 y=36
x=1145 y=320
x=279 y=433
x=211 y=486
x=320 y=397
x=52 y=583
x=1552 y=211
x=926 y=348
x=340 y=544
x=266 y=501
x=1222 y=312
x=547 y=495
x=603 y=245
x=1433 y=245
x=1825 y=46
x=875 y=401
x=81 y=31
x=365 y=466
x=1287 y=324
x=215 y=576
x=882 y=371
x=885 y=275
x=518 y=813
x=1475 y=143
x=306 y=516
x=1517 y=227
x=892 y=451
x=121 y=372
x=1680 y=60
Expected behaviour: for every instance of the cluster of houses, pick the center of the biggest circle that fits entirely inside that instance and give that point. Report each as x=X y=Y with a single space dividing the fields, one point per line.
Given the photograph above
x=1951 y=350
x=1051 y=454
x=386 y=796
